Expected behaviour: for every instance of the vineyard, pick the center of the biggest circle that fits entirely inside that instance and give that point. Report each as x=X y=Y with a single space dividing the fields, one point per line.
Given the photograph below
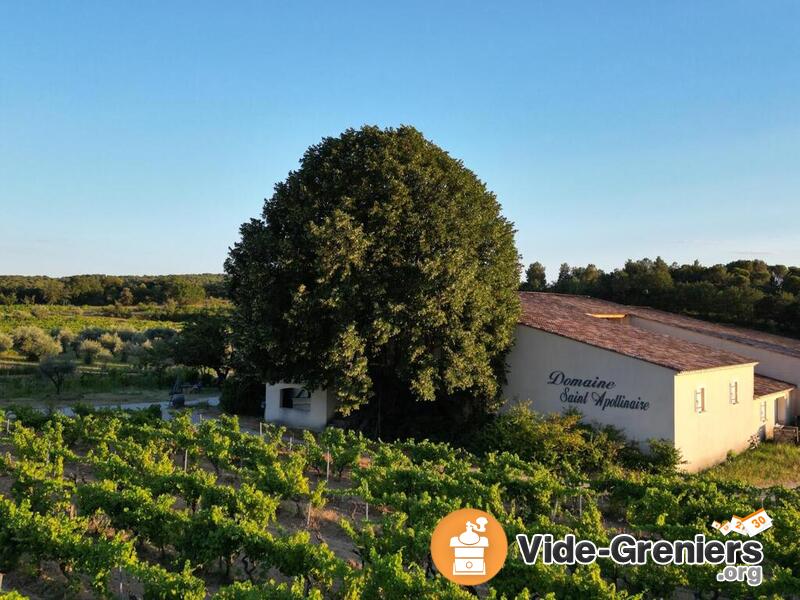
x=127 y=505
x=77 y=318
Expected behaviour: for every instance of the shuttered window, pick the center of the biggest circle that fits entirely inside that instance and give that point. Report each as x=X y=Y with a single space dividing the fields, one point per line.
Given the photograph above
x=733 y=392
x=700 y=400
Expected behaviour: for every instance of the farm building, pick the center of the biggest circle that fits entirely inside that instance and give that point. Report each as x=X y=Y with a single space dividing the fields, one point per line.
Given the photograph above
x=707 y=388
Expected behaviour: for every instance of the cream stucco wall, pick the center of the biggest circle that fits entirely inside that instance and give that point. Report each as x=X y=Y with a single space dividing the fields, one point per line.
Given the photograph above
x=322 y=408
x=706 y=438
x=536 y=354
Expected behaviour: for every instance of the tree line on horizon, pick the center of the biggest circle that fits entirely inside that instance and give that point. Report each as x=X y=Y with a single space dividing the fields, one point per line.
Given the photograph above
x=750 y=293
x=101 y=290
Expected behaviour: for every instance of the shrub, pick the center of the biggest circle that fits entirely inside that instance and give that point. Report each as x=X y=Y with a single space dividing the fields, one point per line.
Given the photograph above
x=91 y=333
x=111 y=342
x=243 y=395
x=91 y=350
x=131 y=335
x=28 y=415
x=33 y=343
x=40 y=312
x=662 y=457
x=117 y=310
x=560 y=442
x=6 y=342
x=130 y=350
x=65 y=337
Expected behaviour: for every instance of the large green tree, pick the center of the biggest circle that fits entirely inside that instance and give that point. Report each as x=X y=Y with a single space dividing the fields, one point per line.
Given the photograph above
x=205 y=342
x=381 y=267
x=535 y=278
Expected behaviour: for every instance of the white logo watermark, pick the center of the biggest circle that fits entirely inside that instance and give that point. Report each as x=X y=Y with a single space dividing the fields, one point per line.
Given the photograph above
x=742 y=558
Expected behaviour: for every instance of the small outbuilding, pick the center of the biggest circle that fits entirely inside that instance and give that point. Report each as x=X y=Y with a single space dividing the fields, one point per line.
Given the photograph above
x=293 y=405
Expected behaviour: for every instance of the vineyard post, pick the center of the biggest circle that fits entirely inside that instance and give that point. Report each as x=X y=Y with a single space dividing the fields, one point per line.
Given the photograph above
x=308 y=517
x=186 y=459
x=1 y=582
x=554 y=512
x=327 y=465
x=366 y=511
x=260 y=429
x=291 y=441
x=581 y=487
x=8 y=425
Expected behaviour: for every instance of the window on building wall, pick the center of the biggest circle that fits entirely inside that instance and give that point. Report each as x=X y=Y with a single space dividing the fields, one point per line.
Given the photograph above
x=763 y=411
x=700 y=400
x=296 y=398
x=733 y=392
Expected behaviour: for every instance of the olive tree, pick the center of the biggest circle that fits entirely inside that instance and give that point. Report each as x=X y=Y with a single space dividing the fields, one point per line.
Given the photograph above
x=65 y=337
x=33 y=343
x=6 y=342
x=91 y=350
x=57 y=369
x=111 y=342
x=381 y=267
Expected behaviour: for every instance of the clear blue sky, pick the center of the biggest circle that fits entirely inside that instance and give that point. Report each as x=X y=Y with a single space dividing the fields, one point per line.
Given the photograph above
x=135 y=137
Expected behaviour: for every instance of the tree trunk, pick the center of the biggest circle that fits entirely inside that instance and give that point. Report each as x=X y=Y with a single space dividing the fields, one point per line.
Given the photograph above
x=387 y=393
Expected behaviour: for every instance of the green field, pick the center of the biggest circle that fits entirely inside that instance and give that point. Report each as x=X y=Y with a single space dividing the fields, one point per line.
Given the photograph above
x=77 y=318
x=20 y=382
x=769 y=464
x=116 y=379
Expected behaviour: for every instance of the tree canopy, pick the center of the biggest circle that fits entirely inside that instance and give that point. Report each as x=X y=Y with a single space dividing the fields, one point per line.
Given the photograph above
x=98 y=290
x=205 y=342
x=746 y=292
x=382 y=266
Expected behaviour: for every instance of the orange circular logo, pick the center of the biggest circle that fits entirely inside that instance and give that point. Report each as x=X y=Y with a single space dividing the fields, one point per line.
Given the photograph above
x=469 y=546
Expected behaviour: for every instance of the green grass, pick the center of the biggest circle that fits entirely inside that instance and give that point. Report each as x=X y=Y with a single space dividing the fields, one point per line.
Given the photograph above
x=25 y=384
x=769 y=464
x=106 y=383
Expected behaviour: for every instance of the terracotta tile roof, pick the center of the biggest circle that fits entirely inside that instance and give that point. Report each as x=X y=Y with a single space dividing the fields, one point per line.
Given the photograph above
x=748 y=337
x=567 y=316
x=764 y=386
